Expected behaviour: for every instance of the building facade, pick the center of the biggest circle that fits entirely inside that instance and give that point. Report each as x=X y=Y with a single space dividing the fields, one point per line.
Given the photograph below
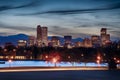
x=96 y=41
x=55 y=42
x=87 y=42
x=42 y=36
x=67 y=41
x=31 y=41
x=105 y=38
x=22 y=43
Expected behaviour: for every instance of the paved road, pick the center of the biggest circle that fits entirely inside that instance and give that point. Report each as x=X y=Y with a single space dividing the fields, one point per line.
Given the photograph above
x=62 y=75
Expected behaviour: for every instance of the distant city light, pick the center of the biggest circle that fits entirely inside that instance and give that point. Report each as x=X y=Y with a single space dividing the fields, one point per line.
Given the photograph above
x=118 y=61
x=14 y=49
x=10 y=61
x=54 y=60
x=69 y=57
x=82 y=55
x=98 y=57
x=98 y=61
x=5 y=50
x=46 y=56
x=114 y=58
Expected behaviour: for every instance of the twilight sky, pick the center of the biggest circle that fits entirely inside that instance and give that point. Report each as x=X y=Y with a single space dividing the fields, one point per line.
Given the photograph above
x=79 y=18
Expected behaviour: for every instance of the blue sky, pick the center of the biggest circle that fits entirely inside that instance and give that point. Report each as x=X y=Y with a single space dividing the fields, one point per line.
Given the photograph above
x=79 y=18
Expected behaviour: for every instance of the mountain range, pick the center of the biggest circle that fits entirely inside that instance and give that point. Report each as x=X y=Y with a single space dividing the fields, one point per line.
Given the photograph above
x=14 y=38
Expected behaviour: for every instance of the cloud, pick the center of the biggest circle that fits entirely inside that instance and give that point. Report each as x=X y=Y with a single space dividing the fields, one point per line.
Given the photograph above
x=92 y=25
x=101 y=24
x=61 y=16
x=61 y=9
x=65 y=11
x=8 y=7
x=113 y=6
x=106 y=7
x=115 y=33
x=22 y=28
x=74 y=35
x=60 y=30
x=85 y=25
x=5 y=33
x=57 y=30
x=2 y=8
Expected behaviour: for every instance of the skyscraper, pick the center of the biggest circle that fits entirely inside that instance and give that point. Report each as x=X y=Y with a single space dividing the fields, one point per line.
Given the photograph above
x=104 y=36
x=96 y=40
x=108 y=37
x=103 y=31
x=55 y=41
x=42 y=34
x=68 y=41
x=87 y=42
x=31 y=41
x=39 y=33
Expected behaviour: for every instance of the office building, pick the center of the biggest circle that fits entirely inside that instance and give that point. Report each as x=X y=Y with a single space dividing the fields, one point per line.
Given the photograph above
x=67 y=41
x=96 y=41
x=42 y=36
x=31 y=41
x=79 y=44
x=105 y=38
x=55 y=41
x=103 y=31
x=22 y=43
x=87 y=42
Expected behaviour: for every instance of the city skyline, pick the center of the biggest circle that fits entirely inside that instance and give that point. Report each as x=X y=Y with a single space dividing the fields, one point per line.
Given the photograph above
x=78 y=18
x=42 y=39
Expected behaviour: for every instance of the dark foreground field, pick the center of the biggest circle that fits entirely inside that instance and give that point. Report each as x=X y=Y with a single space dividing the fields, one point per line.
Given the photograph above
x=62 y=75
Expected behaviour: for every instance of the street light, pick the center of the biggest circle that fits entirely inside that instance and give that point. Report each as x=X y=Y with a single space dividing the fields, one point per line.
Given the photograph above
x=98 y=61
x=118 y=61
x=69 y=57
x=114 y=58
x=82 y=55
x=5 y=50
x=46 y=56
x=54 y=61
x=98 y=57
x=14 y=50
x=10 y=62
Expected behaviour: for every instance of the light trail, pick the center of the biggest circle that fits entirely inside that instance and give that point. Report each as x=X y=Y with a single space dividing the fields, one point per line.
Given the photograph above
x=49 y=69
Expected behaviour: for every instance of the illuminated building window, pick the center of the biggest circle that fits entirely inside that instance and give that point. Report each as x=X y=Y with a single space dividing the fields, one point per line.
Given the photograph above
x=1 y=57
x=20 y=57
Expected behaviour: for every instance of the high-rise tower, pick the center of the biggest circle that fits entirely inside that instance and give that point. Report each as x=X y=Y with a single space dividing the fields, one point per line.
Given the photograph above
x=42 y=34
x=104 y=36
x=103 y=31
